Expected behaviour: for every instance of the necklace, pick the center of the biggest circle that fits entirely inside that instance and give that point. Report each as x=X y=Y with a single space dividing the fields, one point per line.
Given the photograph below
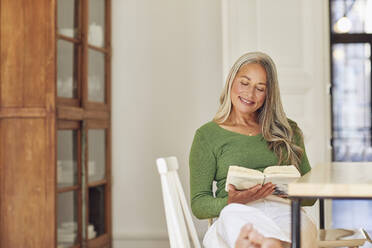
x=240 y=129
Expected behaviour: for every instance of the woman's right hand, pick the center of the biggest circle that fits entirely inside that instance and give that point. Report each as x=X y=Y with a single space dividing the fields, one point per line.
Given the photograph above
x=248 y=195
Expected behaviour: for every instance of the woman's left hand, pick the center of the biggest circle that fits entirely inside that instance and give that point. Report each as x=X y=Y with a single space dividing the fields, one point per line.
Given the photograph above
x=249 y=195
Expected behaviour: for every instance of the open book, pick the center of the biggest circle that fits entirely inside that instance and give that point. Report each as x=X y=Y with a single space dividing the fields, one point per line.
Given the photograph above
x=244 y=178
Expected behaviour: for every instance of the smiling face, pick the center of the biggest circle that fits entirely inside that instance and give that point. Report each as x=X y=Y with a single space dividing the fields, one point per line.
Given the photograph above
x=248 y=91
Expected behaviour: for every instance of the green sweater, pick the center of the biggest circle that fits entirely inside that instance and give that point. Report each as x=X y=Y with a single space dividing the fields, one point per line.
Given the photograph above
x=213 y=150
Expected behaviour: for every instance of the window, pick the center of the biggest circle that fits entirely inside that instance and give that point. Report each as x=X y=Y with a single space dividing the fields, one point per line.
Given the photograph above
x=351 y=44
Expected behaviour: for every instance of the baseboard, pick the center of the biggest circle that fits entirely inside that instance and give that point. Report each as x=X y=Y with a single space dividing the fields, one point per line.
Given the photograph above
x=141 y=244
x=140 y=240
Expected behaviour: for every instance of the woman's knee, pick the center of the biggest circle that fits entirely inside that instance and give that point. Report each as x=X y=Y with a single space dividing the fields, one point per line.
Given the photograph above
x=240 y=214
x=229 y=211
x=232 y=207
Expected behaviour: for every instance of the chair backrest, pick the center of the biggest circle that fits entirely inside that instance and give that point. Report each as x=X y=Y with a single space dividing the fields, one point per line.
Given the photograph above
x=175 y=204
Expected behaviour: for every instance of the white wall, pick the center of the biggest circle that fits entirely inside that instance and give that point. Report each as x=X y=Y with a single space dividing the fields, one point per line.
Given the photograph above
x=166 y=81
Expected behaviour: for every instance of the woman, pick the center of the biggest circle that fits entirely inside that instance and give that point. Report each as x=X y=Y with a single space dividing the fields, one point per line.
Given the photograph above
x=250 y=129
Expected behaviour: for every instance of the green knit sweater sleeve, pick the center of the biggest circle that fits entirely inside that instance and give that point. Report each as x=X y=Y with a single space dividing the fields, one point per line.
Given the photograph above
x=202 y=172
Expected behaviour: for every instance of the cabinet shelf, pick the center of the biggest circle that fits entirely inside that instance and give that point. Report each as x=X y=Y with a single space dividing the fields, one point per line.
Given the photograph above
x=99 y=49
x=97 y=183
x=67 y=38
x=62 y=189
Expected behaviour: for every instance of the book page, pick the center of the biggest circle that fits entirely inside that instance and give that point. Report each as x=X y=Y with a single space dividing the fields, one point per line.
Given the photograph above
x=243 y=181
x=281 y=176
x=243 y=178
x=240 y=170
x=281 y=169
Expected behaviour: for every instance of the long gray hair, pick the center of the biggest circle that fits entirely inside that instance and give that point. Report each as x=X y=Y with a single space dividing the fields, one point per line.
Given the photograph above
x=276 y=128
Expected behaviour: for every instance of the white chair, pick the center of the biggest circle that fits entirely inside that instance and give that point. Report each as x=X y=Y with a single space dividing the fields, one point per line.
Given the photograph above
x=176 y=207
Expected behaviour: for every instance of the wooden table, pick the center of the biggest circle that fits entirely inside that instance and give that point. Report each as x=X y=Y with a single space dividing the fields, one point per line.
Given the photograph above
x=329 y=181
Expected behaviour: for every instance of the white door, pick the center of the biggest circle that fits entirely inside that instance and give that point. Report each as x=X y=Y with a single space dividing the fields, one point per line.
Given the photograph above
x=295 y=34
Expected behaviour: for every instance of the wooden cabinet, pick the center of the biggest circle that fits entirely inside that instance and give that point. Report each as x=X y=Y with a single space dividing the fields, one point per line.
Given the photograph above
x=55 y=123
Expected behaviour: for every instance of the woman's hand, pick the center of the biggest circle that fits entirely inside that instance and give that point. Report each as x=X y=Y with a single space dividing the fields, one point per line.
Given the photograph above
x=248 y=195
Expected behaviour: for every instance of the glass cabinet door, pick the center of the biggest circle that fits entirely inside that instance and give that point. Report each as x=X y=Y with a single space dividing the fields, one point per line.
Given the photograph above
x=67 y=220
x=66 y=69
x=96 y=155
x=68 y=184
x=82 y=51
x=68 y=18
x=68 y=47
x=96 y=22
x=96 y=76
x=97 y=51
x=67 y=169
x=96 y=176
x=97 y=225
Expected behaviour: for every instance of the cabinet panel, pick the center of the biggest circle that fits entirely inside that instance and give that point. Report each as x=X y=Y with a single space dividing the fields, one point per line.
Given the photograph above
x=38 y=50
x=26 y=52
x=11 y=54
x=27 y=184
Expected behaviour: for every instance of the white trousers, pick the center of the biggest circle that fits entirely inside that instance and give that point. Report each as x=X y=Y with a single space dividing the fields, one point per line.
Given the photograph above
x=270 y=218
